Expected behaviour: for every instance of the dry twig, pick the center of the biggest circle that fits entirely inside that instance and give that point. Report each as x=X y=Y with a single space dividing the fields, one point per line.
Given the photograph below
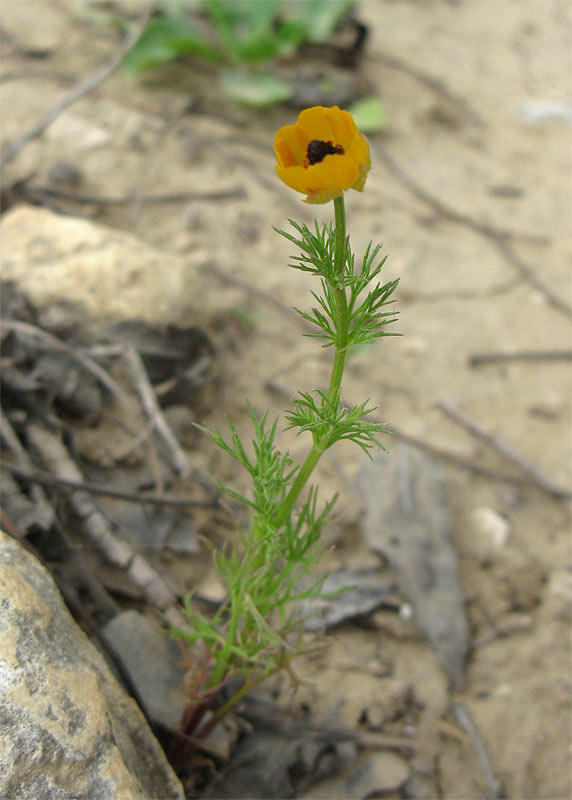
x=497 y=236
x=501 y=446
x=520 y=355
x=257 y=293
x=40 y=193
x=427 y=447
x=24 y=462
x=78 y=91
x=435 y=84
x=45 y=479
x=462 y=716
x=48 y=341
x=177 y=455
x=116 y=551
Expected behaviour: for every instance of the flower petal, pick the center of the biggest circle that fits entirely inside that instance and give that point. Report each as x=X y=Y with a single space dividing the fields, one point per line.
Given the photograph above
x=290 y=145
x=343 y=126
x=315 y=123
x=328 y=174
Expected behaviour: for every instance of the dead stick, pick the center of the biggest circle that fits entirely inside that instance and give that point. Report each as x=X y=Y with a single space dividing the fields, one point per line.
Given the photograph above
x=21 y=455
x=45 y=479
x=78 y=91
x=497 y=236
x=435 y=84
x=463 y=717
x=530 y=275
x=427 y=447
x=39 y=192
x=52 y=342
x=520 y=355
x=501 y=446
x=145 y=389
x=490 y=231
x=114 y=549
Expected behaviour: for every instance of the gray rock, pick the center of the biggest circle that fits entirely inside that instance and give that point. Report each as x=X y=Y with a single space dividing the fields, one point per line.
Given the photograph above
x=54 y=258
x=408 y=520
x=153 y=663
x=67 y=729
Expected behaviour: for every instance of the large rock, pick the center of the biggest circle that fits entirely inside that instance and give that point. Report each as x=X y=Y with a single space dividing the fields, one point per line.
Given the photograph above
x=112 y=274
x=67 y=729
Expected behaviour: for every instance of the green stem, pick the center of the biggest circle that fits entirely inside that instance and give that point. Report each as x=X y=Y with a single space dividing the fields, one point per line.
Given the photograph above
x=219 y=670
x=342 y=321
x=341 y=343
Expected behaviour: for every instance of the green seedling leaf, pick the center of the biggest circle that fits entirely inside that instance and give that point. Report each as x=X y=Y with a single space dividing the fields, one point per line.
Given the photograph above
x=369 y=114
x=164 y=40
x=257 y=89
x=320 y=17
x=252 y=30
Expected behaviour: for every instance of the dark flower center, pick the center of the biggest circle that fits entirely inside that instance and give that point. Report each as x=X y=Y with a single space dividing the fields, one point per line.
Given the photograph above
x=318 y=150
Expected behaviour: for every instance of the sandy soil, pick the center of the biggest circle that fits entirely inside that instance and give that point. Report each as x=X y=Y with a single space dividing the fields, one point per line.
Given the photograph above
x=445 y=174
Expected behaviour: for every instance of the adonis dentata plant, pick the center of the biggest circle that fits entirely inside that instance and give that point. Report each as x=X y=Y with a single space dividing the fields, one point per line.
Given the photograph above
x=257 y=631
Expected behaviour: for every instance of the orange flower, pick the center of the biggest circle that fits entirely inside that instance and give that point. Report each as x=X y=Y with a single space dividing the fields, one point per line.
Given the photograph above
x=323 y=154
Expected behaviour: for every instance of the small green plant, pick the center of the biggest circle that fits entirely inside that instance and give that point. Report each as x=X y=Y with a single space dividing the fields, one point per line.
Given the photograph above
x=238 y=35
x=271 y=567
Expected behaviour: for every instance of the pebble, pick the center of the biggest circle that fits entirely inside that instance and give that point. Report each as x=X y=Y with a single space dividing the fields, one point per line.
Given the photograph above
x=489 y=533
x=73 y=131
x=152 y=662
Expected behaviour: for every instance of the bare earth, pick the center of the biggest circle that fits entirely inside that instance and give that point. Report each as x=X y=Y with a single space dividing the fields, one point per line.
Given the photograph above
x=446 y=175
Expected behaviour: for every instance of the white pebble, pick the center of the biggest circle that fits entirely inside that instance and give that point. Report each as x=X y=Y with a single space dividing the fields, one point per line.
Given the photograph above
x=489 y=533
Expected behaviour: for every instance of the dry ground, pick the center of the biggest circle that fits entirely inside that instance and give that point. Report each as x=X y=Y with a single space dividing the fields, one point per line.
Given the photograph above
x=442 y=173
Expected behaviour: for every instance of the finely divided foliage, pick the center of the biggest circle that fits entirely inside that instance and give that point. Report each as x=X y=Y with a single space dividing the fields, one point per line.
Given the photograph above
x=257 y=631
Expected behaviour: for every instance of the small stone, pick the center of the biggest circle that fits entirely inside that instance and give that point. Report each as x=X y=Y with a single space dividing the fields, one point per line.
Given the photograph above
x=152 y=662
x=78 y=133
x=489 y=533
x=396 y=696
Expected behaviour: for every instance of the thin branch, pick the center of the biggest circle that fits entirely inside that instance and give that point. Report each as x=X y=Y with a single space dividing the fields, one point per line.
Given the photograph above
x=149 y=401
x=478 y=359
x=46 y=479
x=47 y=340
x=530 y=275
x=114 y=549
x=11 y=440
x=497 y=236
x=505 y=449
x=501 y=234
x=435 y=84
x=78 y=91
x=46 y=192
x=463 y=718
x=427 y=447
